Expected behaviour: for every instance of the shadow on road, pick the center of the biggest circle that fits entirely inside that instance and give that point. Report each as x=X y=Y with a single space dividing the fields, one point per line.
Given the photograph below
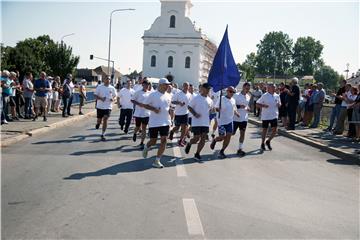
x=344 y=161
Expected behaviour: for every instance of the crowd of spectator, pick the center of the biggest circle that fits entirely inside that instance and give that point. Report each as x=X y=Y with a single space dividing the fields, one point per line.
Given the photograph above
x=304 y=106
x=26 y=98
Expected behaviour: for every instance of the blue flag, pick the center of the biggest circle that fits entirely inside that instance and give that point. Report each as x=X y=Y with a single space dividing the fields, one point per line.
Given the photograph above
x=224 y=72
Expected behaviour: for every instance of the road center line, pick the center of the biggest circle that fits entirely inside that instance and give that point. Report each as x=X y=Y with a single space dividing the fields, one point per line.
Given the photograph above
x=180 y=168
x=192 y=217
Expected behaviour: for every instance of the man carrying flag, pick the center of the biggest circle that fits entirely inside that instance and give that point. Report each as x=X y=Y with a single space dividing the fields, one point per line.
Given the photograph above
x=224 y=74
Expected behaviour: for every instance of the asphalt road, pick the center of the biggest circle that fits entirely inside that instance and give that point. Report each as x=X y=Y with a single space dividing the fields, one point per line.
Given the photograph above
x=67 y=184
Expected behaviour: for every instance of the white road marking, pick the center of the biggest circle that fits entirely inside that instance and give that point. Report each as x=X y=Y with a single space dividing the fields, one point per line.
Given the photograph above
x=192 y=217
x=180 y=168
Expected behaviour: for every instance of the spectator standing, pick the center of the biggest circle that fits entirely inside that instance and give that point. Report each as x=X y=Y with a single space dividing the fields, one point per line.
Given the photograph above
x=42 y=87
x=318 y=102
x=56 y=95
x=82 y=95
x=19 y=98
x=72 y=88
x=356 y=115
x=336 y=109
x=293 y=102
x=257 y=93
x=283 y=111
x=6 y=86
x=28 y=88
x=12 y=100
x=340 y=123
x=350 y=110
x=50 y=94
x=66 y=94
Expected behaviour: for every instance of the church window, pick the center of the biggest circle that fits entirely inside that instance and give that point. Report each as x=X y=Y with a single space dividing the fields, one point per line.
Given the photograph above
x=172 y=21
x=187 y=62
x=170 y=62
x=153 y=61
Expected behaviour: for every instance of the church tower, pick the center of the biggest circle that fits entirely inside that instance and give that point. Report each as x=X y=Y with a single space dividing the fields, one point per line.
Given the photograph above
x=175 y=48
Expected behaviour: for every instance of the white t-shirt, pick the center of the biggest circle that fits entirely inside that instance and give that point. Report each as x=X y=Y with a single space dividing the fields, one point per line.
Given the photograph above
x=162 y=102
x=344 y=103
x=108 y=92
x=272 y=112
x=125 y=96
x=140 y=97
x=201 y=106
x=183 y=98
x=137 y=87
x=192 y=96
x=241 y=99
x=228 y=107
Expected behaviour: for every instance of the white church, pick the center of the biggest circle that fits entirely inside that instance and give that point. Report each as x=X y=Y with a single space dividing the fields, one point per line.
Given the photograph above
x=174 y=48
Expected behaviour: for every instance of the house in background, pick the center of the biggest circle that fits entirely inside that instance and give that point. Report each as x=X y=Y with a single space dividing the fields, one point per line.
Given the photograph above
x=92 y=76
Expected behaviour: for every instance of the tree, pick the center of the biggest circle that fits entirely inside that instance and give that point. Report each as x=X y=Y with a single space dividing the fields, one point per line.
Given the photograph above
x=60 y=60
x=307 y=56
x=248 y=67
x=274 y=53
x=328 y=76
x=39 y=54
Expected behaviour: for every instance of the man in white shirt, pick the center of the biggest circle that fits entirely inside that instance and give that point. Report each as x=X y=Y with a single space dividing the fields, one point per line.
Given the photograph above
x=242 y=100
x=141 y=114
x=199 y=107
x=126 y=106
x=181 y=101
x=105 y=95
x=158 y=103
x=138 y=86
x=269 y=104
x=227 y=110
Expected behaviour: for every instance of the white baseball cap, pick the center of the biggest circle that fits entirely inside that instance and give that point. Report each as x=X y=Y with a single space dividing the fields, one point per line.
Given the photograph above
x=164 y=81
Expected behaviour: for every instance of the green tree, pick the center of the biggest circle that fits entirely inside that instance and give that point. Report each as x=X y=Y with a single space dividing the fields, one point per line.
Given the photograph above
x=39 y=54
x=307 y=56
x=60 y=59
x=248 y=67
x=328 y=76
x=274 y=53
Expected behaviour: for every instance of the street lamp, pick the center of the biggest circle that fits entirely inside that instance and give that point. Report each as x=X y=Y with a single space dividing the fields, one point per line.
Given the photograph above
x=67 y=35
x=116 y=10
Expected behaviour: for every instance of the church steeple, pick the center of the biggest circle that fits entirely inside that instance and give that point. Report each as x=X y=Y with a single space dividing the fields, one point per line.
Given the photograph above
x=182 y=7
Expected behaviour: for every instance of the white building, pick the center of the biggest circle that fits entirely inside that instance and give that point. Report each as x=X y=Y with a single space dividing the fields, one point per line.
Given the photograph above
x=174 y=48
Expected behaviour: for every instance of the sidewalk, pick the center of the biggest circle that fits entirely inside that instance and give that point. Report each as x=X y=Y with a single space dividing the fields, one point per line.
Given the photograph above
x=339 y=146
x=18 y=130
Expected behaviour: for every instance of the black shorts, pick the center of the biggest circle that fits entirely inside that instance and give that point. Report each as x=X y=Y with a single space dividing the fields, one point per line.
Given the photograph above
x=273 y=123
x=141 y=120
x=103 y=113
x=181 y=120
x=12 y=102
x=155 y=131
x=239 y=125
x=190 y=121
x=200 y=130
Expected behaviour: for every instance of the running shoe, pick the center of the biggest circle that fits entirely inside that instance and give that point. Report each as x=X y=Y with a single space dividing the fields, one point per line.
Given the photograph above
x=157 y=164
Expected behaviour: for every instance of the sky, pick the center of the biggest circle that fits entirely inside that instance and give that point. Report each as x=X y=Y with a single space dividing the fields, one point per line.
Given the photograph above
x=334 y=23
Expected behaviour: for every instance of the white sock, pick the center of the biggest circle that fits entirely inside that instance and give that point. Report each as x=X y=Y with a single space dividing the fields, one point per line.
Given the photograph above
x=241 y=145
x=103 y=133
x=158 y=159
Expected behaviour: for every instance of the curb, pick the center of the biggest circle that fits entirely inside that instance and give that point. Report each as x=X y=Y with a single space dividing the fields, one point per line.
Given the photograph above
x=13 y=140
x=334 y=151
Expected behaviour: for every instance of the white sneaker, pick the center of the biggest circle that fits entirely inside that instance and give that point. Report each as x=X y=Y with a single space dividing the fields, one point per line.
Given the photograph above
x=157 y=164
x=145 y=152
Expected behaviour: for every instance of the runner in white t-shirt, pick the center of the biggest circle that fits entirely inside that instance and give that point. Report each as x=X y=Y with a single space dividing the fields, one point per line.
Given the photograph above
x=200 y=106
x=269 y=104
x=242 y=100
x=105 y=95
x=181 y=101
x=213 y=115
x=225 y=120
x=158 y=103
x=126 y=106
x=141 y=114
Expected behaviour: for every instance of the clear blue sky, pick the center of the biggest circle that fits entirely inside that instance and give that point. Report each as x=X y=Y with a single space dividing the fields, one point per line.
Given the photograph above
x=335 y=24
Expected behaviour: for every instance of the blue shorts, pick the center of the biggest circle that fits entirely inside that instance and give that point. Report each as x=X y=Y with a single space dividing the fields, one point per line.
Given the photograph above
x=226 y=129
x=212 y=116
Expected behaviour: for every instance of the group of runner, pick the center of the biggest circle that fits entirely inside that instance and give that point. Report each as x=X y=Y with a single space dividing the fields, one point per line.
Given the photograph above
x=167 y=110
